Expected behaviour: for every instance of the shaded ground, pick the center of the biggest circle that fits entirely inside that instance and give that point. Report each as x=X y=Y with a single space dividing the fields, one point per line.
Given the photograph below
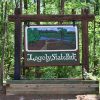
x=50 y=97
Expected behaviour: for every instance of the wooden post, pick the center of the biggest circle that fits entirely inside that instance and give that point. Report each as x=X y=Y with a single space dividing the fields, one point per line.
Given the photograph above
x=85 y=51
x=37 y=69
x=17 y=65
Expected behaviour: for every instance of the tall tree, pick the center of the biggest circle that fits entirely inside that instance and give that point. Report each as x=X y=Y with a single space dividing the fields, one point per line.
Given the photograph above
x=4 y=31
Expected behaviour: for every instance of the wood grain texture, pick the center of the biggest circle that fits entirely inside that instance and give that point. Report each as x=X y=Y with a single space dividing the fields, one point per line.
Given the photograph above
x=52 y=81
x=48 y=18
x=77 y=87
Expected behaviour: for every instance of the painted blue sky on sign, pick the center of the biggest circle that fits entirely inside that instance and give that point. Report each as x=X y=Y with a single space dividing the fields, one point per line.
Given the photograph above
x=69 y=28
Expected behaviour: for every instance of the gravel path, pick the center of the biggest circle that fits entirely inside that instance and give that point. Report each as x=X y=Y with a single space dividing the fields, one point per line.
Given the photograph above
x=50 y=97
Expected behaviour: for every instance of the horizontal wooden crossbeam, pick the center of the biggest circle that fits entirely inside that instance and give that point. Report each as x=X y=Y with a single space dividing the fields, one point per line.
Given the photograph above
x=54 y=87
x=48 y=18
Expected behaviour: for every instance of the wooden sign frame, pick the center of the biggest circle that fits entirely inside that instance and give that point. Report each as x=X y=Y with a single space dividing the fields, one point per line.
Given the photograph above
x=33 y=32
x=57 y=52
x=18 y=18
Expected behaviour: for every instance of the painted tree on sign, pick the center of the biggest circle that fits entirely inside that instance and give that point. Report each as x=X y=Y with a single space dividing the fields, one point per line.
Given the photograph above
x=33 y=35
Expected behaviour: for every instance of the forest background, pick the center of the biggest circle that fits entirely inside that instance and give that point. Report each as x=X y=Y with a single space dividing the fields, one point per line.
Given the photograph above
x=49 y=7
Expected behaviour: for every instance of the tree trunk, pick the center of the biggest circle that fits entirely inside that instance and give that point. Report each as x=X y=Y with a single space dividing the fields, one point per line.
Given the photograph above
x=4 y=24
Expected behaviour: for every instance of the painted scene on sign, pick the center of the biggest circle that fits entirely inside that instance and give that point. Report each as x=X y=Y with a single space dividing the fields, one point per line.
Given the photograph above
x=51 y=38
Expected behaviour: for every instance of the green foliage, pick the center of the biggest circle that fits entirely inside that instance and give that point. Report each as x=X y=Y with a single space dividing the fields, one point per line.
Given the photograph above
x=9 y=48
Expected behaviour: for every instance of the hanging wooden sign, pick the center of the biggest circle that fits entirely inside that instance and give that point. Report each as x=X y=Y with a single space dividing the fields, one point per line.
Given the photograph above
x=51 y=45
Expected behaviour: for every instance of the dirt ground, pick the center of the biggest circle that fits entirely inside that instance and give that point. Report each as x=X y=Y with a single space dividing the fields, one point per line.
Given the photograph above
x=50 y=97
